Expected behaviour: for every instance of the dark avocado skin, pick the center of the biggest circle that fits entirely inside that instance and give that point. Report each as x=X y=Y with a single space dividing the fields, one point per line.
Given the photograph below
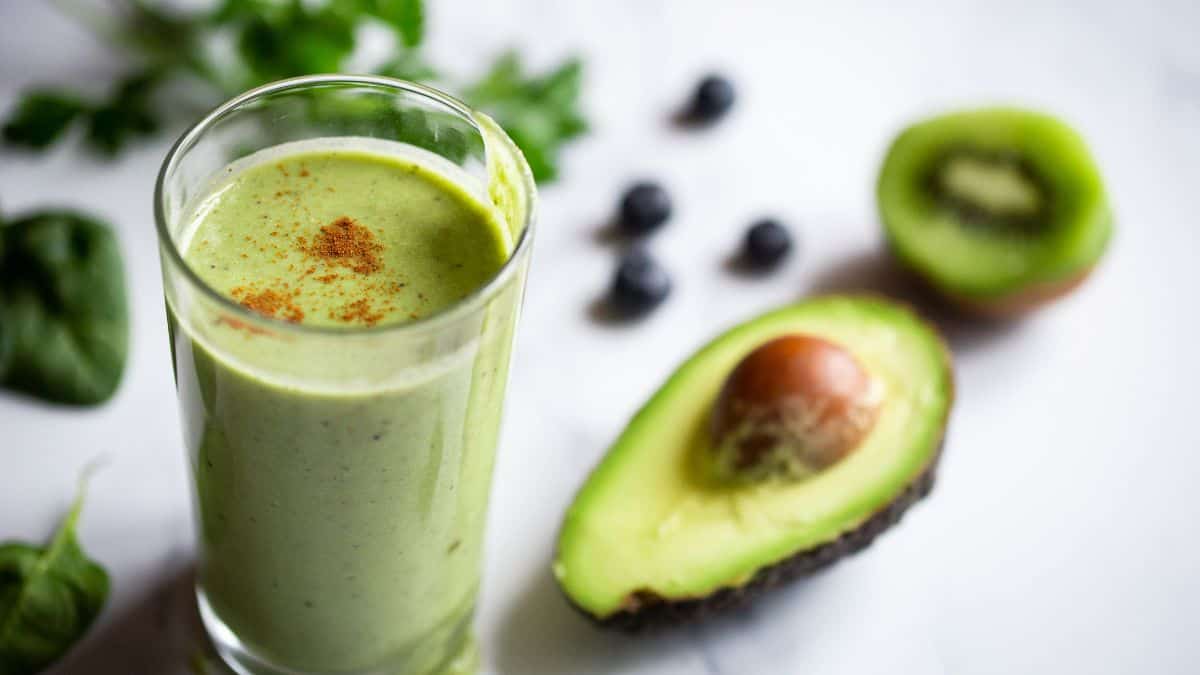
x=655 y=613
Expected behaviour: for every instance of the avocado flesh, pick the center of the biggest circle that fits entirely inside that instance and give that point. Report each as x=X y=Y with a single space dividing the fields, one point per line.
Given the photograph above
x=650 y=523
x=1059 y=237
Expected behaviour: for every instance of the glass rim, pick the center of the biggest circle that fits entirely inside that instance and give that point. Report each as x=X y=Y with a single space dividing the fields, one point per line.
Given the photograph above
x=445 y=315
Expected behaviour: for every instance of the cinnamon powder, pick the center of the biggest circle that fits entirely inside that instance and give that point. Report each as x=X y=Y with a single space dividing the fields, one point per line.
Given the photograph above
x=346 y=243
x=360 y=310
x=269 y=302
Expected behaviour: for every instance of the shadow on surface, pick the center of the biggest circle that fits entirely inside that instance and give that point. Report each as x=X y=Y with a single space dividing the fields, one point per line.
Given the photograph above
x=22 y=397
x=543 y=635
x=610 y=234
x=684 y=119
x=738 y=265
x=603 y=312
x=877 y=272
x=159 y=634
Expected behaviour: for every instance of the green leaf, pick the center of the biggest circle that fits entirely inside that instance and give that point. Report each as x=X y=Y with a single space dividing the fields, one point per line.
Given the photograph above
x=64 y=326
x=502 y=82
x=127 y=115
x=295 y=41
x=158 y=34
x=562 y=86
x=408 y=65
x=231 y=11
x=277 y=39
x=48 y=598
x=438 y=133
x=539 y=113
x=41 y=117
x=406 y=16
x=441 y=133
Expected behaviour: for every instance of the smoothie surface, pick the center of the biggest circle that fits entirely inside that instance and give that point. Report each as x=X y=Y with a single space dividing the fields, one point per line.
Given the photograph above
x=344 y=237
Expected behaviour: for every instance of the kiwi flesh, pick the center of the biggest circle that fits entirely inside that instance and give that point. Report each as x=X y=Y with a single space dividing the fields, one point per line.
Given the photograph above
x=999 y=209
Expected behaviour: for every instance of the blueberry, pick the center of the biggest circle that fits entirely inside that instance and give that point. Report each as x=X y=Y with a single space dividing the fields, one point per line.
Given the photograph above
x=640 y=284
x=713 y=98
x=645 y=207
x=767 y=242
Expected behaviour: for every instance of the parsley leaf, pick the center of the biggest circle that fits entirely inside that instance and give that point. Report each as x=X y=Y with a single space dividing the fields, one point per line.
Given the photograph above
x=408 y=65
x=295 y=41
x=407 y=17
x=125 y=115
x=156 y=35
x=539 y=113
x=41 y=118
x=275 y=39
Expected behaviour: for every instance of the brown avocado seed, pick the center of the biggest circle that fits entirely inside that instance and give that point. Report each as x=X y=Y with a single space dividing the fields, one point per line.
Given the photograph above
x=792 y=407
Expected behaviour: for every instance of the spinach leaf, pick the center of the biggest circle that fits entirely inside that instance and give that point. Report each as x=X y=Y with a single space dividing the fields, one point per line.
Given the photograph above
x=64 y=326
x=48 y=598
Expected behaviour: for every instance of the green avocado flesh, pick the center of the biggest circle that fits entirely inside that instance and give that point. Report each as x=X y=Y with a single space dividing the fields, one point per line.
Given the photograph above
x=649 y=520
x=987 y=203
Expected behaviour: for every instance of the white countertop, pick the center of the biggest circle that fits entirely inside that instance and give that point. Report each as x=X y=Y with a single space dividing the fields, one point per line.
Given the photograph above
x=1062 y=535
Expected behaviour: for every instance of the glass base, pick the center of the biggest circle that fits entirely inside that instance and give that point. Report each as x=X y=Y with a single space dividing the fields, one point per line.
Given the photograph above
x=243 y=661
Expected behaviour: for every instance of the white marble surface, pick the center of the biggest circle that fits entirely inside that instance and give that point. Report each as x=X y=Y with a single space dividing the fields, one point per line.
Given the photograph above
x=1062 y=536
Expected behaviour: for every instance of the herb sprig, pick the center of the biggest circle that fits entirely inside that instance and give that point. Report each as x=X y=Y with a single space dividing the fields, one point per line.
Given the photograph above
x=274 y=39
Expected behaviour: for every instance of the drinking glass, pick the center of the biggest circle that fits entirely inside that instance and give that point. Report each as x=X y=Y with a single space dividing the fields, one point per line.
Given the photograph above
x=341 y=475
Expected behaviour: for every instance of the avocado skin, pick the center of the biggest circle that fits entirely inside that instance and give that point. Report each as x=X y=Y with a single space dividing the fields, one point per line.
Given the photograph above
x=657 y=613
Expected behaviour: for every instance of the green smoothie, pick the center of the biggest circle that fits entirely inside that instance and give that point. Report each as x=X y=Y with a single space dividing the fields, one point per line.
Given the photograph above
x=341 y=509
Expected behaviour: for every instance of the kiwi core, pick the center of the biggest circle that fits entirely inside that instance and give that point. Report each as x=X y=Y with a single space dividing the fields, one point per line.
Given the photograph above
x=791 y=408
x=996 y=190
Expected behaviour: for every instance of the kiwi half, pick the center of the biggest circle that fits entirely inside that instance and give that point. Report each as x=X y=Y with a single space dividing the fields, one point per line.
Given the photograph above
x=999 y=209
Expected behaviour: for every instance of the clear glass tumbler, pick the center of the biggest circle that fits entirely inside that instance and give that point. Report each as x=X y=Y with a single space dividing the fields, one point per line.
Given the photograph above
x=341 y=475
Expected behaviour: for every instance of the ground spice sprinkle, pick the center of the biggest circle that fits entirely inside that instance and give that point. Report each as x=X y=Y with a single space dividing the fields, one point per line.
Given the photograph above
x=347 y=243
x=269 y=302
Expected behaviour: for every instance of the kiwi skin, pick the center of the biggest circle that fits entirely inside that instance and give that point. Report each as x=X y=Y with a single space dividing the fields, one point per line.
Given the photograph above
x=1009 y=306
x=1020 y=303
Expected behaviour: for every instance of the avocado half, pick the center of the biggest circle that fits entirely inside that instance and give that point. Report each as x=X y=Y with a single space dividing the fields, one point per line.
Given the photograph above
x=999 y=209
x=652 y=539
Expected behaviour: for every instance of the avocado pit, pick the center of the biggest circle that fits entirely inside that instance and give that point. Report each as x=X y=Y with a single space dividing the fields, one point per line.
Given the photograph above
x=793 y=407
